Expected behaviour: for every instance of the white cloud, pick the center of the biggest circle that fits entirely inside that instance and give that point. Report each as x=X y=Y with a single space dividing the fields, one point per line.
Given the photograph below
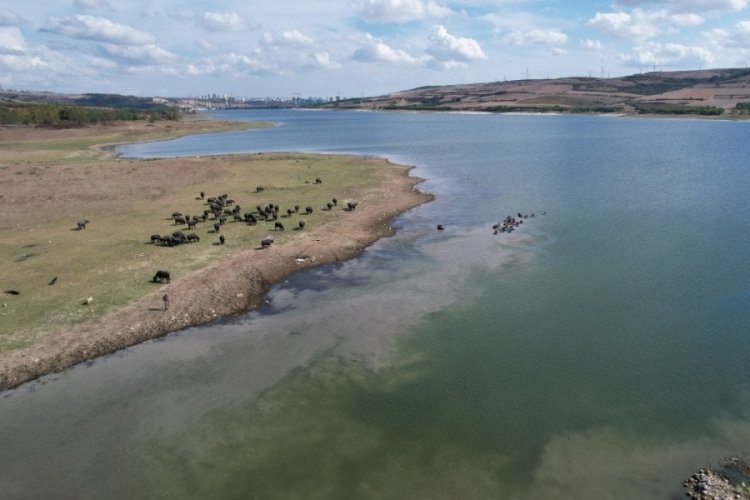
x=323 y=60
x=536 y=37
x=40 y=67
x=236 y=64
x=98 y=29
x=100 y=63
x=138 y=55
x=557 y=51
x=192 y=70
x=286 y=38
x=222 y=21
x=447 y=47
x=206 y=46
x=589 y=44
x=10 y=17
x=445 y=65
x=11 y=41
x=399 y=11
x=378 y=51
x=687 y=19
x=20 y=64
x=705 y=6
x=92 y=4
x=736 y=38
x=668 y=54
x=638 y=25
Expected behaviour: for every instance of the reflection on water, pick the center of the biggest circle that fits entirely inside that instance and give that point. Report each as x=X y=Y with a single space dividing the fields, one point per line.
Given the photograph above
x=597 y=352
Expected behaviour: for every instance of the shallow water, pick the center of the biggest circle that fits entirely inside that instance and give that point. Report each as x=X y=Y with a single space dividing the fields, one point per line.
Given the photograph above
x=600 y=351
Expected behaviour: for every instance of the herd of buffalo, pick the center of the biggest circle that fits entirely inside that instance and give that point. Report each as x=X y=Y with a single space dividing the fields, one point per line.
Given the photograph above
x=222 y=209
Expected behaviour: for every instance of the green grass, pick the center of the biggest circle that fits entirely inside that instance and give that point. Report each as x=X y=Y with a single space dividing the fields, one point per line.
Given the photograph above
x=113 y=261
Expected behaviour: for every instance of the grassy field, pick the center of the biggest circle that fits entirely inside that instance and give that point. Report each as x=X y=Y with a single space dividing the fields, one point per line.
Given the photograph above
x=51 y=182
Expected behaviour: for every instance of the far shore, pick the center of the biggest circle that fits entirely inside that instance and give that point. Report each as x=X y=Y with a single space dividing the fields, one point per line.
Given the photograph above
x=221 y=283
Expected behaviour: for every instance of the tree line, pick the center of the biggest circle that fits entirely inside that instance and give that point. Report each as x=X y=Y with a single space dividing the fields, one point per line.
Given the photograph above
x=44 y=114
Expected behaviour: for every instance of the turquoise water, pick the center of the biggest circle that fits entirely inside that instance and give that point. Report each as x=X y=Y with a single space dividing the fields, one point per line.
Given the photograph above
x=600 y=351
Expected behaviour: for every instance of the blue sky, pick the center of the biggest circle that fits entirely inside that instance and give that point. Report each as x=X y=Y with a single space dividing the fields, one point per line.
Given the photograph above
x=353 y=48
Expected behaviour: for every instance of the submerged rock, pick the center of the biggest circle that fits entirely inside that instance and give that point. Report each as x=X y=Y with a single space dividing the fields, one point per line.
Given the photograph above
x=731 y=482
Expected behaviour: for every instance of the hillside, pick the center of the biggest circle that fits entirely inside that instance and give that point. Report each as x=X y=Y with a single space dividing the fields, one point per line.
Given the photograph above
x=706 y=92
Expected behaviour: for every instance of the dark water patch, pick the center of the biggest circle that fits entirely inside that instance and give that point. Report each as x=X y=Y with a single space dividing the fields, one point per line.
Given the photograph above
x=319 y=279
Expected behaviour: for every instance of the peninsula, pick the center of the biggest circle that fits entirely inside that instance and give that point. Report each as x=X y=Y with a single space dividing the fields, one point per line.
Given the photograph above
x=72 y=293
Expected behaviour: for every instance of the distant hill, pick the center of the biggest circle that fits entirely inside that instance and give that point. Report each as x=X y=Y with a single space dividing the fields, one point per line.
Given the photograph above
x=705 y=92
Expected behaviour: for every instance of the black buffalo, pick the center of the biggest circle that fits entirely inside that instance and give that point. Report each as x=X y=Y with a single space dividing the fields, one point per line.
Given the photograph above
x=161 y=277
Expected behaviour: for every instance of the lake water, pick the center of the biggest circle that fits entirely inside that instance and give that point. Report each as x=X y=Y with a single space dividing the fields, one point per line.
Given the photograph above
x=600 y=351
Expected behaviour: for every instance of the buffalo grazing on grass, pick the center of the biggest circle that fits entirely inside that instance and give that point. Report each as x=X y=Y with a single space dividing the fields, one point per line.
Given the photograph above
x=161 y=277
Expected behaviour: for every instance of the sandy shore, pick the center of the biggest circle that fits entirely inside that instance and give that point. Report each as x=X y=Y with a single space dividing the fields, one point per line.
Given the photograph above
x=234 y=285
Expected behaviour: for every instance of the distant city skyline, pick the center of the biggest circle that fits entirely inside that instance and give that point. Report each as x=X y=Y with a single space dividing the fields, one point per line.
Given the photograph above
x=353 y=48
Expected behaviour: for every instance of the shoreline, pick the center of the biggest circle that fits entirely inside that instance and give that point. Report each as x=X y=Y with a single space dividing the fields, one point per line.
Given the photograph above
x=232 y=286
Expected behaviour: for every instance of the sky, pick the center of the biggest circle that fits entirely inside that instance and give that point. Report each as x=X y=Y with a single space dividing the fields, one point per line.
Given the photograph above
x=353 y=48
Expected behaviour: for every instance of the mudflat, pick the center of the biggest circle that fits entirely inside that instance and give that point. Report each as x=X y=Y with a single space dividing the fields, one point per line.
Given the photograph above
x=68 y=294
